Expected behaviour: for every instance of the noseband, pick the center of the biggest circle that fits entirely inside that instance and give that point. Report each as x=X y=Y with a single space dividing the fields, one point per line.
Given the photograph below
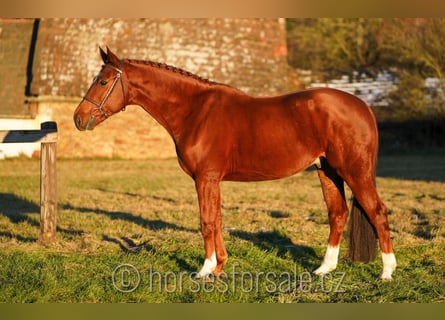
x=100 y=105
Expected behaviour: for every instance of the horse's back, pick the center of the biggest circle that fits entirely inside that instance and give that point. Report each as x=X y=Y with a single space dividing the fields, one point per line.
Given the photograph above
x=246 y=138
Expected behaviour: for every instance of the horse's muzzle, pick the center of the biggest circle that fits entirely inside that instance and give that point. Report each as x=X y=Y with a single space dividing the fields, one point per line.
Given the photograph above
x=80 y=126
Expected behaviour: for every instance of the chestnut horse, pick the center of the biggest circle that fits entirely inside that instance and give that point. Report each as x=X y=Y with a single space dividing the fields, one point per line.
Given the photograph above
x=220 y=133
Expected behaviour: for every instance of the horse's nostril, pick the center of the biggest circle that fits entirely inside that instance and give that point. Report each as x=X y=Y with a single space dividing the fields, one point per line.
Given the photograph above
x=78 y=122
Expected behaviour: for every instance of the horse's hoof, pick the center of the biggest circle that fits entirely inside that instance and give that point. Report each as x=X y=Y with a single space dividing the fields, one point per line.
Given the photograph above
x=324 y=269
x=386 y=278
x=208 y=277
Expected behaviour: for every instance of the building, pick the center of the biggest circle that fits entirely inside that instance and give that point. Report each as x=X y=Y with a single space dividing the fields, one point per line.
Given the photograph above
x=48 y=82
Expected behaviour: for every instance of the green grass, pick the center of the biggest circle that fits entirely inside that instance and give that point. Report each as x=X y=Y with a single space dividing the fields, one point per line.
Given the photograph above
x=145 y=214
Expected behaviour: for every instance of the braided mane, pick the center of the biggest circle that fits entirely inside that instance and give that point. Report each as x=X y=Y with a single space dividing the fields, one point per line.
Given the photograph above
x=172 y=69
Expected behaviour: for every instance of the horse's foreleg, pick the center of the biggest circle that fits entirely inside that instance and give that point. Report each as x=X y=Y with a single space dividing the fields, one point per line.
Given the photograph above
x=334 y=195
x=211 y=225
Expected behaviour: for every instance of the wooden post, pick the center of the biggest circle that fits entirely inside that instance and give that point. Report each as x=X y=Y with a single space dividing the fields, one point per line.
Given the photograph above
x=48 y=186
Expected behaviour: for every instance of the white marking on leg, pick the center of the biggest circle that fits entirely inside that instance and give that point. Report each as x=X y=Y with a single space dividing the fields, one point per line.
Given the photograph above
x=208 y=267
x=389 y=265
x=330 y=260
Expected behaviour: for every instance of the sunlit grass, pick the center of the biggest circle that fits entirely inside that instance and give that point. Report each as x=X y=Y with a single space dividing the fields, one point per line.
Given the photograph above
x=145 y=213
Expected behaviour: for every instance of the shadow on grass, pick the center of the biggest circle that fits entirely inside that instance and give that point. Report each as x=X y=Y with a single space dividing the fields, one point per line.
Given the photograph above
x=16 y=209
x=136 y=195
x=18 y=237
x=273 y=240
x=126 y=216
x=424 y=228
x=127 y=245
x=276 y=214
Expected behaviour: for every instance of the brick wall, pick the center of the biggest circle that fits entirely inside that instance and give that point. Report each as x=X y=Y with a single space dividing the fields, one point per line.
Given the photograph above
x=250 y=54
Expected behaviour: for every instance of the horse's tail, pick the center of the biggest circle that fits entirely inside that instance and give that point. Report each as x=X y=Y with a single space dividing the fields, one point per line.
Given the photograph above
x=362 y=235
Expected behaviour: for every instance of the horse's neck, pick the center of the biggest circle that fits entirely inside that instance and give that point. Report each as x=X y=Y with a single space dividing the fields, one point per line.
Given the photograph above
x=166 y=97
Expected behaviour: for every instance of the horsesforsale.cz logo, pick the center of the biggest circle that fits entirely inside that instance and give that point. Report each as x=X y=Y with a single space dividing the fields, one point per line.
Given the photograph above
x=126 y=278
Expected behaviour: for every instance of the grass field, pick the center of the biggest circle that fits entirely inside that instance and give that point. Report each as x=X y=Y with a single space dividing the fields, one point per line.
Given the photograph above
x=128 y=231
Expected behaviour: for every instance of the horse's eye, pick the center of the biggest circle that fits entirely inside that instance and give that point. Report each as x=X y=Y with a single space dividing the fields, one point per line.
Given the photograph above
x=103 y=83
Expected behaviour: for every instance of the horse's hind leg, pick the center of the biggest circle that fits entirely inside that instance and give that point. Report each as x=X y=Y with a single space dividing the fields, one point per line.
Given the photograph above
x=365 y=192
x=333 y=192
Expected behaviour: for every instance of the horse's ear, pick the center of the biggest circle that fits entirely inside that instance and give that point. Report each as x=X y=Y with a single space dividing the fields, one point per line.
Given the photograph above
x=104 y=56
x=113 y=59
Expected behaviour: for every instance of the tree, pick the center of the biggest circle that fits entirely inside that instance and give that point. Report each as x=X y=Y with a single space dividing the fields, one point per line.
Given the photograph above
x=413 y=48
x=418 y=43
x=335 y=45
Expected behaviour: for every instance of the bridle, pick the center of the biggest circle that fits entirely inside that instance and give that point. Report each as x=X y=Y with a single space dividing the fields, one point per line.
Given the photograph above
x=100 y=105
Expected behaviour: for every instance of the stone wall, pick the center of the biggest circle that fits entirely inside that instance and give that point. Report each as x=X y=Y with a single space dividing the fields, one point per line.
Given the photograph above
x=249 y=54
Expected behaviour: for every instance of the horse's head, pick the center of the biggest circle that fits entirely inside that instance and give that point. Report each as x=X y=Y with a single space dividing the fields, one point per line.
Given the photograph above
x=106 y=95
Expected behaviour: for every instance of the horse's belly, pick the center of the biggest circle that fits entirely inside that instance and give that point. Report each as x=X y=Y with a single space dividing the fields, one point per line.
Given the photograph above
x=270 y=167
